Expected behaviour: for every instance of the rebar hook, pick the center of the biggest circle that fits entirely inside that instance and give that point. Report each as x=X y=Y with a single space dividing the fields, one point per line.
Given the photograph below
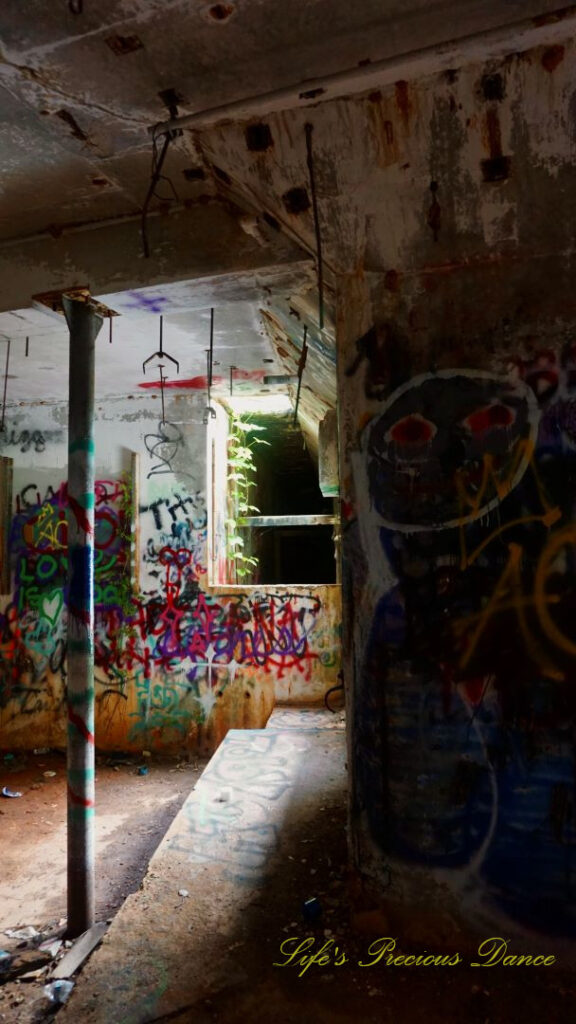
x=161 y=354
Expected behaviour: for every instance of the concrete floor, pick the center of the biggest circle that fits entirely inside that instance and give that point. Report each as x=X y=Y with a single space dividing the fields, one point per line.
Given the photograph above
x=240 y=848
x=262 y=832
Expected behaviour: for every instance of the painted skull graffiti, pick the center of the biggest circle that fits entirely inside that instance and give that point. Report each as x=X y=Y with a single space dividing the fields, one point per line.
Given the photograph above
x=447 y=448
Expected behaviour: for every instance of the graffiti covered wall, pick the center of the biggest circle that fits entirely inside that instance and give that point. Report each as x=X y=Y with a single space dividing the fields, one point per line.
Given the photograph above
x=460 y=559
x=176 y=663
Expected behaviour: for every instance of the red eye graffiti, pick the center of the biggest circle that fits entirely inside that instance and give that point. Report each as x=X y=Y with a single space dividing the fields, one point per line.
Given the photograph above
x=446 y=448
x=490 y=417
x=412 y=430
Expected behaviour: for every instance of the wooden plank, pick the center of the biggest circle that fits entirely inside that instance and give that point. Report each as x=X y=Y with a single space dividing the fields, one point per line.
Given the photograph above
x=81 y=949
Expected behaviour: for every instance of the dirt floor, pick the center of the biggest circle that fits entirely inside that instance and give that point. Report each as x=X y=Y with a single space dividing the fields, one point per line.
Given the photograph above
x=133 y=813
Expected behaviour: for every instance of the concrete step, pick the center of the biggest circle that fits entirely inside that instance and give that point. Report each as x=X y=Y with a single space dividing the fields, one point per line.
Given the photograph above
x=306 y=718
x=250 y=818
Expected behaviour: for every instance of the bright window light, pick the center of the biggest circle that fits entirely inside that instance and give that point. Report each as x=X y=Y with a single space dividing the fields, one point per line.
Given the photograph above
x=272 y=404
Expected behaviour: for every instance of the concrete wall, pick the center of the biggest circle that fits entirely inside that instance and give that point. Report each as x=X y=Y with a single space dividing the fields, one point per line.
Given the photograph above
x=458 y=406
x=176 y=663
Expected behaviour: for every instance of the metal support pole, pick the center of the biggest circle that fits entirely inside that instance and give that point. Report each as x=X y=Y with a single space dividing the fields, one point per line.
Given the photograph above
x=84 y=326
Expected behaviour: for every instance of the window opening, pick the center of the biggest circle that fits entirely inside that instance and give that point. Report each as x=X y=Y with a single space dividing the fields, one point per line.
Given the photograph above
x=271 y=524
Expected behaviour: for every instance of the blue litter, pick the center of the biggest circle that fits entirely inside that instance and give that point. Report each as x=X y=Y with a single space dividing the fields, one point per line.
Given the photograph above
x=10 y=792
x=311 y=909
x=59 y=991
x=143 y=770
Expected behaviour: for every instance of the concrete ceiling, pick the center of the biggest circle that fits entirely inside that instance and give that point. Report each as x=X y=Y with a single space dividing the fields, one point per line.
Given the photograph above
x=42 y=374
x=78 y=93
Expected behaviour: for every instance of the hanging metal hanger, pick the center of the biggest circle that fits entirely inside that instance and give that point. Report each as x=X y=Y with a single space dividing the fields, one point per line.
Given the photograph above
x=209 y=412
x=161 y=354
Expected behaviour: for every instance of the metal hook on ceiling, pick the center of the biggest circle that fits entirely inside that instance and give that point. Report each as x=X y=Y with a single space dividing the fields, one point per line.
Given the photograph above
x=301 y=365
x=161 y=354
x=308 y=128
x=2 y=424
x=209 y=412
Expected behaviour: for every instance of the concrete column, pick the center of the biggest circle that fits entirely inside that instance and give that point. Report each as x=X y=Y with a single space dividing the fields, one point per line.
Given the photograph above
x=84 y=326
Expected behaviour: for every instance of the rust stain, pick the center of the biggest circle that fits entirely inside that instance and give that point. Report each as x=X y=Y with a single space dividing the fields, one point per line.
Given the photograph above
x=392 y=281
x=403 y=101
x=221 y=12
x=381 y=127
x=493 y=133
x=121 y=45
x=497 y=167
x=552 y=57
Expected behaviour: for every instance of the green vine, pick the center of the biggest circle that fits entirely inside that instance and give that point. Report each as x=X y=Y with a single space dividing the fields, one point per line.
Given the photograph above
x=242 y=478
x=125 y=593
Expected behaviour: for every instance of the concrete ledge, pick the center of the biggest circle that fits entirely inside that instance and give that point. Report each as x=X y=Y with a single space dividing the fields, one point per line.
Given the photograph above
x=165 y=951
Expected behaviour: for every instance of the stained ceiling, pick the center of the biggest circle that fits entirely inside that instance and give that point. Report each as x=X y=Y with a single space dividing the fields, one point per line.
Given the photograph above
x=231 y=226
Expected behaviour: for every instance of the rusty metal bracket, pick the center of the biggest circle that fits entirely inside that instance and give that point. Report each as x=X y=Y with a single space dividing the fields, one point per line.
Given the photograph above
x=51 y=302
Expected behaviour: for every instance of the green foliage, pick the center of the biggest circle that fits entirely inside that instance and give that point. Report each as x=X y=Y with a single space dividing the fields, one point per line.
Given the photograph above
x=242 y=477
x=125 y=587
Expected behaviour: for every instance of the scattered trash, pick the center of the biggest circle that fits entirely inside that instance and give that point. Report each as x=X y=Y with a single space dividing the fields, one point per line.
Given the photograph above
x=10 y=792
x=25 y=963
x=146 y=753
x=183 y=892
x=81 y=949
x=48 y=775
x=22 y=933
x=224 y=796
x=59 y=991
x=311 y=909
x=143 y=769
x=5 y=959
x=33 y=975
x=8 y=757
x=52 y=946
x=41 y=750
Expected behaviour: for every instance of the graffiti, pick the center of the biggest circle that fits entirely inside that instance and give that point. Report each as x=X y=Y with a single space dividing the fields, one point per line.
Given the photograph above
x=445 y=442
x=251 y=771
x=26 y=440
x=170 y=650
x=200 y=383
x=464 y=738
x=33 y=627
x=164 y=446
x=148 y=303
